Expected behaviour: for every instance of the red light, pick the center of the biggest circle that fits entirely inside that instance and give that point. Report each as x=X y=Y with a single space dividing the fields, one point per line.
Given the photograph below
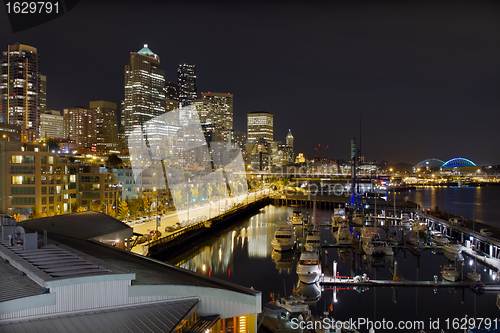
x=229 y=272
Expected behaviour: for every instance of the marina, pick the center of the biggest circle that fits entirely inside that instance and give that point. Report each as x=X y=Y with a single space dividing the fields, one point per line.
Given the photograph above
x=413 y=287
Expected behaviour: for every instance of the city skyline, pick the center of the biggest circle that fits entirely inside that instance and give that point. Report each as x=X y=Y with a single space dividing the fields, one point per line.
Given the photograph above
x=421 y=77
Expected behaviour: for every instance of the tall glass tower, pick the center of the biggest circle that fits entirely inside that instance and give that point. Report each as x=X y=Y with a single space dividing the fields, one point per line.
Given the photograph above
x=144 y=89
x=186 y=78
x=20 y=87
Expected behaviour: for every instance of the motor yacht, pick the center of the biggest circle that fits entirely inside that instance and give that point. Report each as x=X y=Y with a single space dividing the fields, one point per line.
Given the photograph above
x=343 y=235
x=338 y=217
x=450 y=273
x=452 y=247
x=297 y=217
x=358 y=218
x=439 y=239
x=309 y=267
x=284 y=237
x=313 y=240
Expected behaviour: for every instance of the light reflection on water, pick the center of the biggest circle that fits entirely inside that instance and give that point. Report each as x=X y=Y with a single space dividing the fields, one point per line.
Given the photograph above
x=482 y=203
x=244 y=255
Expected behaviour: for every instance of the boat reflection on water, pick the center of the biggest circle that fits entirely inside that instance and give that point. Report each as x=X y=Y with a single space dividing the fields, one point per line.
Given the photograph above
x=311 y=293
x=344 y=254
x=283 y=260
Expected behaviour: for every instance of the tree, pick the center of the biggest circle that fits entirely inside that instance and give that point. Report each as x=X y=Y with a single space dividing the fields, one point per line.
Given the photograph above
x=81 y=209
x=52 y=144
x=114 y=160
x=123 y=210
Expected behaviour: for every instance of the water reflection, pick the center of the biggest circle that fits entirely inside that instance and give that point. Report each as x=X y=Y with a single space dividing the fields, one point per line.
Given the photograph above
x=244 y=255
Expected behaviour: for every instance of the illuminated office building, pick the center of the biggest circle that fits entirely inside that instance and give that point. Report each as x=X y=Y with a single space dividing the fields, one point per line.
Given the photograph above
x=219 y=109
x=106 y=124
x=144 y=89
x=51 y=124
x=20 y=87
x=186 y=79
x=259 y=126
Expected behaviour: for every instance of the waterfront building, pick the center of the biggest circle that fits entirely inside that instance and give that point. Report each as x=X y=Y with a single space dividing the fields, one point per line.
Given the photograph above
x=186 y=80
x=20 y=88
x=144 y=91
x=220 y=109
x=106 y=293
x=80 y=126
x=106 y=124
x=52 y=124
x=32 y=177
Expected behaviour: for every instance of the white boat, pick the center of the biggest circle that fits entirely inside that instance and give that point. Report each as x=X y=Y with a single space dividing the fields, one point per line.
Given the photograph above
x=439 y=239
x=452 y=247
x=313 y=240
x=368 y=248
x=415 y=239
x=368 y=232
x=338 y=217
x=293 y=304
x=377 y=246
x=284 y=237
x=381 y=247
x=297 y=217
x=310 y=292
x=450 y=273
x=343 y=235
x=358 y=218
x=474 y=276
x=309 y=267
x=394 y=236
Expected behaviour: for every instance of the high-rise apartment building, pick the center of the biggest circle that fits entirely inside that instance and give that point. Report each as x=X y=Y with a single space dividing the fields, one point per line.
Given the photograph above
x=144 y=89
x=186 y=79
x=259 y=125
x=20 y=87
x=51 y=124
x=80 y=126
x=106 y=124
x=219 y=108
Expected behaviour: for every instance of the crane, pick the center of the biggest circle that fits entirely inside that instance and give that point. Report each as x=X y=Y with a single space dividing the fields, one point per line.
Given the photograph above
x=319 y=149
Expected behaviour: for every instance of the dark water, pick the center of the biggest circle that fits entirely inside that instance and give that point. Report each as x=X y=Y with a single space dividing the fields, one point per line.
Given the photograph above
x=481 y=203
x=244 y=255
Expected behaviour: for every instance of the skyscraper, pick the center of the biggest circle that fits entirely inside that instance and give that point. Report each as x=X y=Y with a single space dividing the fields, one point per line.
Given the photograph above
x=289 y=139
x=80 y=125
x=20 y=87
x=186 y=79
x=43 y=94
x=144 y=89
x=220 y=109
x=106 y=124
x=259 y=125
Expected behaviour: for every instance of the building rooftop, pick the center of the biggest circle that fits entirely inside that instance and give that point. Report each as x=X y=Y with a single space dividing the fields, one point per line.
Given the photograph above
x=82 y=225
x=164 y=316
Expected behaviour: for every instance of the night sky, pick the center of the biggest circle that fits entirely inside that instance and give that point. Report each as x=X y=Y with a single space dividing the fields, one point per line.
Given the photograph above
x=424 y=77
